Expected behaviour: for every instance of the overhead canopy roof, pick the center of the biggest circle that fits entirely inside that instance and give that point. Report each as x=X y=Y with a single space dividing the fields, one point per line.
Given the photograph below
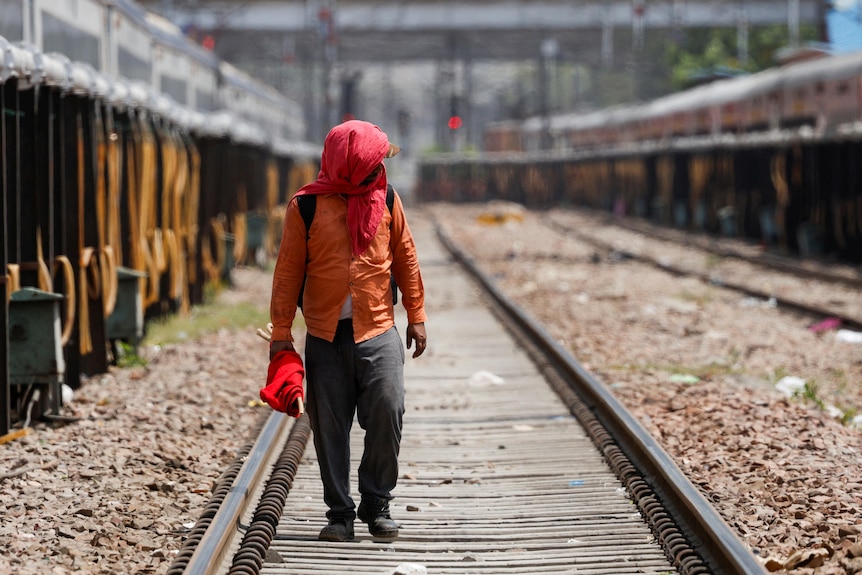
x=379 y=31
x=32 y=67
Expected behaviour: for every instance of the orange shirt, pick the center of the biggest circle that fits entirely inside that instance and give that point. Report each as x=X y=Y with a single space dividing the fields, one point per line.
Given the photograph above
x=333 y=271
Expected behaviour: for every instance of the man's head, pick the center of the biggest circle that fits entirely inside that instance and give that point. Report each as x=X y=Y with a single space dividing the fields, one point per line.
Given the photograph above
x=354 y=151
x=378 y=169
x=375 y=173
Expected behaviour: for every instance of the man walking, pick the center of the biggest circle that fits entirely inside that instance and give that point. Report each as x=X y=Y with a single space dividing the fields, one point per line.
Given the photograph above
x=341 y=265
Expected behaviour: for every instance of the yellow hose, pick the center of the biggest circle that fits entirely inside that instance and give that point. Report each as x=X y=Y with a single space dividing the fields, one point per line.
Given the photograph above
x=107 y=216
x=699 y=174
x=115 y=169
x=98 y=275
x=157 y=249
x=147 y=214
x=271 y=202
x=240 y=231
x=44 y=274
x=110 y=280
x=86 y=341
x=168 y=172
x=207 y=262
x=213 y=266
x=101 y=207
x=14 y=280
x=275 y=224
x=192 y=214
x=136 y=251
x=175 y=265
x=152 y=291
x=69 y=283
x=184 y=222
x=94 y=281
x=779 y=180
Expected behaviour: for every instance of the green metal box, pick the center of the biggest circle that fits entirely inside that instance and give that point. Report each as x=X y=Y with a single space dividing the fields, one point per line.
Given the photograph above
x=255 y=229
x=229 y=259
x=35 y=348
x=126 y=322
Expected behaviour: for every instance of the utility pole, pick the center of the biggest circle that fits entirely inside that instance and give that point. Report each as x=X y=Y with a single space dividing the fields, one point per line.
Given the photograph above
x=329 y=46
x=821 y=21
x=742 y=33
x=638 y=17
x=607 y=37
x=550 y=48
x=793 y=20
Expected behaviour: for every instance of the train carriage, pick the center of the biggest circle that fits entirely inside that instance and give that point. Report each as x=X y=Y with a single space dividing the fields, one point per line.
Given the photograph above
x=130 y=42
x=840 y=97
x=770 y=156
x=820 y=94
x=181 y=69
x=128 y=152
x=12 y=19
x=74 y=29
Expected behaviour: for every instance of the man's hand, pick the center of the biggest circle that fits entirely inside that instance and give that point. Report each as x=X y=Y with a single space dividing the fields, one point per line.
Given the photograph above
x=416 y=331
x=277 y=346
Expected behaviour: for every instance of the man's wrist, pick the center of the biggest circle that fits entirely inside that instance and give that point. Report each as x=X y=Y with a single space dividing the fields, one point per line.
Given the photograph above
x=279 y=346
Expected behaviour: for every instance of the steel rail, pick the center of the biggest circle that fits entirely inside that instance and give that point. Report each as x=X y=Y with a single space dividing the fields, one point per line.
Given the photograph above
x=765 y=259
x=705 y=530
x=814 y=311
x=209 y=553
x=262 y=527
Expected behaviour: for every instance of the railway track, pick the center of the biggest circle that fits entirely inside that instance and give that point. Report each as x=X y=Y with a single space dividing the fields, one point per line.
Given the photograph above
x=497 y=475
x=844 y=287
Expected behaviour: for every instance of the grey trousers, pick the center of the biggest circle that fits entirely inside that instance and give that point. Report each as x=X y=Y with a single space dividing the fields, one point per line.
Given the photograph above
x=367 y=379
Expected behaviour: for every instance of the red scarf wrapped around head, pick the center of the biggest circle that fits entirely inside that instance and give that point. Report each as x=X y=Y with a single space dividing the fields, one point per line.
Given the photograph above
x=351 y=151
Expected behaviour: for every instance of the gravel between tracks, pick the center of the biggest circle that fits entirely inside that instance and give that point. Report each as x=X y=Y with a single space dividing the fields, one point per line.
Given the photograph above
x=114 y=492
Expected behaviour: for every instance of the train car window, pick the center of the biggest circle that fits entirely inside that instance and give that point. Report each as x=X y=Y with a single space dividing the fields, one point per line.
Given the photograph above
x=12 y=21
x=57 y=36
x=132 y=67
x=204 y=101
x=843 y=88
x=820 y=87
x=176 y=89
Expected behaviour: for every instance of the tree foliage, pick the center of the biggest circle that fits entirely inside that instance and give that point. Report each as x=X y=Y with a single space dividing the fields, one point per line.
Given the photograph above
x=706 y=50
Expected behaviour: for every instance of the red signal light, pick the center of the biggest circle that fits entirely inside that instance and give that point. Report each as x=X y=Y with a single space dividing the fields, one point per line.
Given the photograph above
x=455 y=122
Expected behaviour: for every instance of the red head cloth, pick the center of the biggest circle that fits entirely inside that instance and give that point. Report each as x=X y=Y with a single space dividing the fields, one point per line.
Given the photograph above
x=351 y=151
x=284 y=383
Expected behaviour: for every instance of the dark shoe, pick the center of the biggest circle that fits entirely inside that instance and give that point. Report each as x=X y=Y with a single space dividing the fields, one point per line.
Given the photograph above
x=375 y=512
x=338 y=531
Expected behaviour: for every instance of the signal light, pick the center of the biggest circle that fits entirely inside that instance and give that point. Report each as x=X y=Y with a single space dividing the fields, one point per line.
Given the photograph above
x=455 y=122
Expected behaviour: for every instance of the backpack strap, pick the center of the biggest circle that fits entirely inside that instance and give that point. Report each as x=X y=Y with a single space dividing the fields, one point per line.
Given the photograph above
x=307 y=205
x=390 y=202
x=390 y=199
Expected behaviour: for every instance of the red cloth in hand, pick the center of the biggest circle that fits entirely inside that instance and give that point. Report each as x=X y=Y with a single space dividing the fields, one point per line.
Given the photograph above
x=284 y=383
